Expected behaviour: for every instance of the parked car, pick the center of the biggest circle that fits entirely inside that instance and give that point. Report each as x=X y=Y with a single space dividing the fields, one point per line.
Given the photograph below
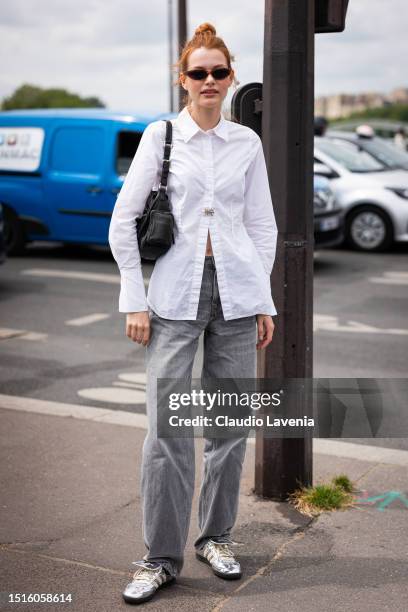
x=2 y=245
x=328 y=215
x=61 y=170
x=382 y=149
x=373 y=197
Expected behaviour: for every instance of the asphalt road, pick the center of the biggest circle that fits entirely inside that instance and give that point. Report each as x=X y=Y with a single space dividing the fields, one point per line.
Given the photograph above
x=63 y=340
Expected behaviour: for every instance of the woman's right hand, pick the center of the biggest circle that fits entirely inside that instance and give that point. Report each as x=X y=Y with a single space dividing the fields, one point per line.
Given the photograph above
x=138 y=327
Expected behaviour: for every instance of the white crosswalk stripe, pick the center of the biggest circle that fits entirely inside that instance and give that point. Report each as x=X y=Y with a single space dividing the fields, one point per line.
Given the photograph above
x=7 y=333
x=88 y=319
x=331 y=323
x=391 y=278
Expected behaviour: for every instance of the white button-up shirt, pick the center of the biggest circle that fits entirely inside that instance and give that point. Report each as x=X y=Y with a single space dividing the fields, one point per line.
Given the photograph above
x=222 y=169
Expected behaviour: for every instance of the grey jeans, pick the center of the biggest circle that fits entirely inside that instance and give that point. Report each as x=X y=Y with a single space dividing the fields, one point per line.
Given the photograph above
x=168 y=464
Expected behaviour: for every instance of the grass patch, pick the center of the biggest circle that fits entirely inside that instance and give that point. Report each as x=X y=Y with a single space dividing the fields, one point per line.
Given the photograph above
x=312 y=501
x=344 y=482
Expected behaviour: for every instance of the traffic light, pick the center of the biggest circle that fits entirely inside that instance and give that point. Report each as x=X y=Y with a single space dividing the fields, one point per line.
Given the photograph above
x=246 y=106
x=330 y=15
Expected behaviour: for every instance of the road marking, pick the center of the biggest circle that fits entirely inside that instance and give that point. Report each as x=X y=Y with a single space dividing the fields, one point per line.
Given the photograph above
x=33 y=336
x=134 y=377
x=6 y=332
x=331 y=323
x=391 y=278
x=362 y=452
x=88 y=319
x=20 y=334
x=132 y=390
x=114 y=395
x=86 y=413
x=128 y=385
x=88 y=276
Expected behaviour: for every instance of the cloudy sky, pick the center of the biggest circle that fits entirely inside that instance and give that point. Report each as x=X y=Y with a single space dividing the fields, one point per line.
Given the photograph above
x=118 y=50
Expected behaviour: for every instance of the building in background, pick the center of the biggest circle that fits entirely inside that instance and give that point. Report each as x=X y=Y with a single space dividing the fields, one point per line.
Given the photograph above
x=342 y=105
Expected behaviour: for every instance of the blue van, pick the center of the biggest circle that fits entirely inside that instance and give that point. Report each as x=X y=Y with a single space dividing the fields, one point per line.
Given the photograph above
x=61 y=170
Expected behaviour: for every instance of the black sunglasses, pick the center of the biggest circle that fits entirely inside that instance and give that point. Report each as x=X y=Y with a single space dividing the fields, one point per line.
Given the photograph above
x=200 y=74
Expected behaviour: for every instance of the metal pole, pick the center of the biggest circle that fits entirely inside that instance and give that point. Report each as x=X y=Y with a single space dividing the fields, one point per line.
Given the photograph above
x=182 y=37
x=287 y=133
x=170 y=30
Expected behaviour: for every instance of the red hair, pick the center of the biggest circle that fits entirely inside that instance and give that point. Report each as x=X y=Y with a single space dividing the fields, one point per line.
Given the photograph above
x=205 y=35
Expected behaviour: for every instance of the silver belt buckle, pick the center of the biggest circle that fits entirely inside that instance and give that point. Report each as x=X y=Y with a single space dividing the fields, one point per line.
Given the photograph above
x=208 y=211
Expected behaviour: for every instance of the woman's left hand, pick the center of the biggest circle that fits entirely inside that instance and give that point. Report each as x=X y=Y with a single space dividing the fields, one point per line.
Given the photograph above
x=265 y=330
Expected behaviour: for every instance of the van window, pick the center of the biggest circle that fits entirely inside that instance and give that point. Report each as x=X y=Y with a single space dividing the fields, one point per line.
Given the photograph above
x=126 y=149
x=77 y=150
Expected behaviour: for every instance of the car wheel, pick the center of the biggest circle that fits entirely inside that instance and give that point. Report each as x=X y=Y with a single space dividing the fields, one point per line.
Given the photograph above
x=14 y=236
x=369 y=229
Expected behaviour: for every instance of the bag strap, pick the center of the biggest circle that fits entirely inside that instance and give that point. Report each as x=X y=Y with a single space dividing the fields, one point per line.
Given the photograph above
x=166 y=155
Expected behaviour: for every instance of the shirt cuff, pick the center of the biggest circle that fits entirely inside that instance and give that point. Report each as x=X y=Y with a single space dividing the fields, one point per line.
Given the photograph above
x=132 y=296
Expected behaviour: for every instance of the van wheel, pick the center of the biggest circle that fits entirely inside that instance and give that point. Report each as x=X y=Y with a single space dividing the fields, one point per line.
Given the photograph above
x=368 y=228
x=14 y=235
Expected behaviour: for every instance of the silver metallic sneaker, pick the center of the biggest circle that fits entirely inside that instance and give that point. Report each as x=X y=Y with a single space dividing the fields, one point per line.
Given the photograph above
x=146 y=580
x=221 y=559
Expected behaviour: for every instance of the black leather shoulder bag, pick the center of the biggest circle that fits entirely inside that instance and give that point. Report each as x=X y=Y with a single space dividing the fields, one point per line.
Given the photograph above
x=155 y=228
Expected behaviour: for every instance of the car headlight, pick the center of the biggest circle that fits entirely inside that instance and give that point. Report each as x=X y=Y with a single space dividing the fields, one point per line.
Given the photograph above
x=323 y=200
x=402 y=192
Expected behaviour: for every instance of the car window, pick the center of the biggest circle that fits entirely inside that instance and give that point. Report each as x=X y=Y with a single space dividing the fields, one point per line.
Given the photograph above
x=348 y=155
x=386 y=152
x=127 y=143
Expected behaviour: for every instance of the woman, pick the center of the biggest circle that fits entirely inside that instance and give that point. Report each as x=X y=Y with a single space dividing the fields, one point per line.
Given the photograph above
x=214 y=279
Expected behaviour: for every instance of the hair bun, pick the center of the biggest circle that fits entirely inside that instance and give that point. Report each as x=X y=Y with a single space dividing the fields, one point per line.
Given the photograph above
x=205 y=27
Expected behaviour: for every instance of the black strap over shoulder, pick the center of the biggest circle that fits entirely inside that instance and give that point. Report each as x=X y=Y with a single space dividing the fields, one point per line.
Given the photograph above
x=166 y=156
x=155 y=227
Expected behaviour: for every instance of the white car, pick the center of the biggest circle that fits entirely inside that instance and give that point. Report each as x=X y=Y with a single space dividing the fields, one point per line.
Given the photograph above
x=328 y=215
x=374 y=199
x=382 y=149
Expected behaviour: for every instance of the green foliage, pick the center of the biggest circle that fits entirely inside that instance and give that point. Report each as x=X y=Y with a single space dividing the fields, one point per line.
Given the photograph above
x=30 y=96
x=343 y=482
x=392 y=112
x=324 y=497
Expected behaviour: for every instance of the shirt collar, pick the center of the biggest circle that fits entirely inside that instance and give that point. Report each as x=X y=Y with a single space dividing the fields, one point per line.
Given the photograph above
x=189 y=127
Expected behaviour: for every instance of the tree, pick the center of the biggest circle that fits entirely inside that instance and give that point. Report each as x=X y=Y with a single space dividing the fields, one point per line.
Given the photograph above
x=392 y=112
x=31 y=96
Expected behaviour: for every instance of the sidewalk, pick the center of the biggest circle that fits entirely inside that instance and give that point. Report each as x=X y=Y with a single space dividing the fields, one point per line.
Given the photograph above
x=71 y=523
